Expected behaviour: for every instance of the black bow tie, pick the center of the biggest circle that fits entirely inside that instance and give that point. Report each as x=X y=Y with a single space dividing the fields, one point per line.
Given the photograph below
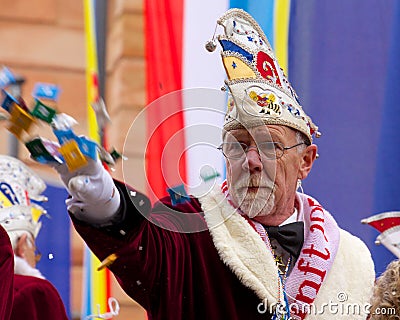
x=290 y=236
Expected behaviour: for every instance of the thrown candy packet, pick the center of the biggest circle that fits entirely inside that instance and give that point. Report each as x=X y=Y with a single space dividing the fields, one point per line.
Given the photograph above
x=106 y=156
x=102 y=116
x=46 y=91
x=116 y=155
x=20 y=121
x=44 y=151
x=65 y=136
x=63 y=121
x=73 y=156
x=43 y=112
x=6 y=77
x=8 y=101
x=87 y=147
x=178 y=194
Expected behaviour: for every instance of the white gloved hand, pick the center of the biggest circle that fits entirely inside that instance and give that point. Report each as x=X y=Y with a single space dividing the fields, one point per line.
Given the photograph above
x=94 y=196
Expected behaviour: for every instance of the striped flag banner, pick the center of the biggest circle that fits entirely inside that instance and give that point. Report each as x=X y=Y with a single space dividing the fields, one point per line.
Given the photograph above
x=96 y=284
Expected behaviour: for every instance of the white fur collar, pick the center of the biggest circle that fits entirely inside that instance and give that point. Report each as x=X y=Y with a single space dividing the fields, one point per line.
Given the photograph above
x=240 y=247
x=22 y=268
x=244 y=252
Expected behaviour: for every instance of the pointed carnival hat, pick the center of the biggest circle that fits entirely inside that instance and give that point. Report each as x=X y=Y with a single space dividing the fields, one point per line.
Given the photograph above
x=19 y=185
x=261 y=93
x=388 y=224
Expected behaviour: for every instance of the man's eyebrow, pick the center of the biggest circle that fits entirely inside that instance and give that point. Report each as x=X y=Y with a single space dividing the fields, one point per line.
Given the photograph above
x=262 y=136
x=238 y=136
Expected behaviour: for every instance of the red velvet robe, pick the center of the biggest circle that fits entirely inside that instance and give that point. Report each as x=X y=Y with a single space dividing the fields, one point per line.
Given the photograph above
x=36 y=299
x=6 y=275
x=173 y=275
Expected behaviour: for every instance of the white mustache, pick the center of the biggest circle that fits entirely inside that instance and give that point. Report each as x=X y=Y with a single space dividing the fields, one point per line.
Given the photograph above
x=254 y=203
x=255 y=182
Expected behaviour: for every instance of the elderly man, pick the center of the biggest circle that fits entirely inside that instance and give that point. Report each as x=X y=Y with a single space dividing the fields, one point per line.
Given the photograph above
x=263 y=250
x=34 y=297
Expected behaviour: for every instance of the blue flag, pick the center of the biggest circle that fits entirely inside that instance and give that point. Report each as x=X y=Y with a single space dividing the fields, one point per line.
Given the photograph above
x=6 y=77
x=8 y=101
x=46 y=91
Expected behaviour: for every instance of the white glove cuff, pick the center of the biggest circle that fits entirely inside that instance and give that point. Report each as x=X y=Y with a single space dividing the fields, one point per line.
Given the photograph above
x=98 y=213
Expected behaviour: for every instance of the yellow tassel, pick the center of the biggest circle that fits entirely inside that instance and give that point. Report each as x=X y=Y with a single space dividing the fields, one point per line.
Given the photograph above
x=107 y=261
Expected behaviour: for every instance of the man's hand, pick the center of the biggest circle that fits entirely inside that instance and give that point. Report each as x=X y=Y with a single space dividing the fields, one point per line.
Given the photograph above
x=94 y=197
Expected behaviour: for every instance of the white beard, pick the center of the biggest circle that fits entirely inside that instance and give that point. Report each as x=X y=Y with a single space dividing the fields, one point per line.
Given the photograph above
x=254 y=204
x=22 y=268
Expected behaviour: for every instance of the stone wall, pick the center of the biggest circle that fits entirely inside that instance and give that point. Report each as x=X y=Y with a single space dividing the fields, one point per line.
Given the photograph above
x=125 y=96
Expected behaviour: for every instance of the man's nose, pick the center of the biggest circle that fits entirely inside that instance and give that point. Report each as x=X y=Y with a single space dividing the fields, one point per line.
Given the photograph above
x=253 y=160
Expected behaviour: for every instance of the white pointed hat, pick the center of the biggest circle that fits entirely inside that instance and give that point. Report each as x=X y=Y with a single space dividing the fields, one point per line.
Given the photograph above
x=388 y=224
x=19 y=185
x=14 y=170
x=261 y=93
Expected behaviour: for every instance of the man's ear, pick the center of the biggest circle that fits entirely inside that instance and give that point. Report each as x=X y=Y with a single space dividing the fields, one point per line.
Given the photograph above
x=22 y=243
x=306 y=161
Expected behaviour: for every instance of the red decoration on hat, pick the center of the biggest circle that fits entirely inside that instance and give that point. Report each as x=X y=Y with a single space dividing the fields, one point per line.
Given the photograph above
x=266 y=67
x=383 y=222
x=388 y=224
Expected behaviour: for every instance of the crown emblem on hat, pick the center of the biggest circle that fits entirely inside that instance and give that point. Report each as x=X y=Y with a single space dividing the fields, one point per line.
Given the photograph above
x=267 y=102
x=259 y=88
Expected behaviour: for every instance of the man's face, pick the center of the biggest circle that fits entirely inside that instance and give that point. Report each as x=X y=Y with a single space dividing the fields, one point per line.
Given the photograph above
x=26 y=249
x=258 y=185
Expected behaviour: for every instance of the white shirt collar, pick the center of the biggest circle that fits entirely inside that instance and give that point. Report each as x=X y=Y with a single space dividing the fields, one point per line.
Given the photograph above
x=291 y=219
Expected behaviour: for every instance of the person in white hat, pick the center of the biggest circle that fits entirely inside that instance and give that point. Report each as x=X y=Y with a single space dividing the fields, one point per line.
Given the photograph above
x=253 y=249
x=22 y=231
x=33 y=296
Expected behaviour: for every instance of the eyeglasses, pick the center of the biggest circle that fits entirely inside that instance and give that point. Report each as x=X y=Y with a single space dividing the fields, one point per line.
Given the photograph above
x=270 y=149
